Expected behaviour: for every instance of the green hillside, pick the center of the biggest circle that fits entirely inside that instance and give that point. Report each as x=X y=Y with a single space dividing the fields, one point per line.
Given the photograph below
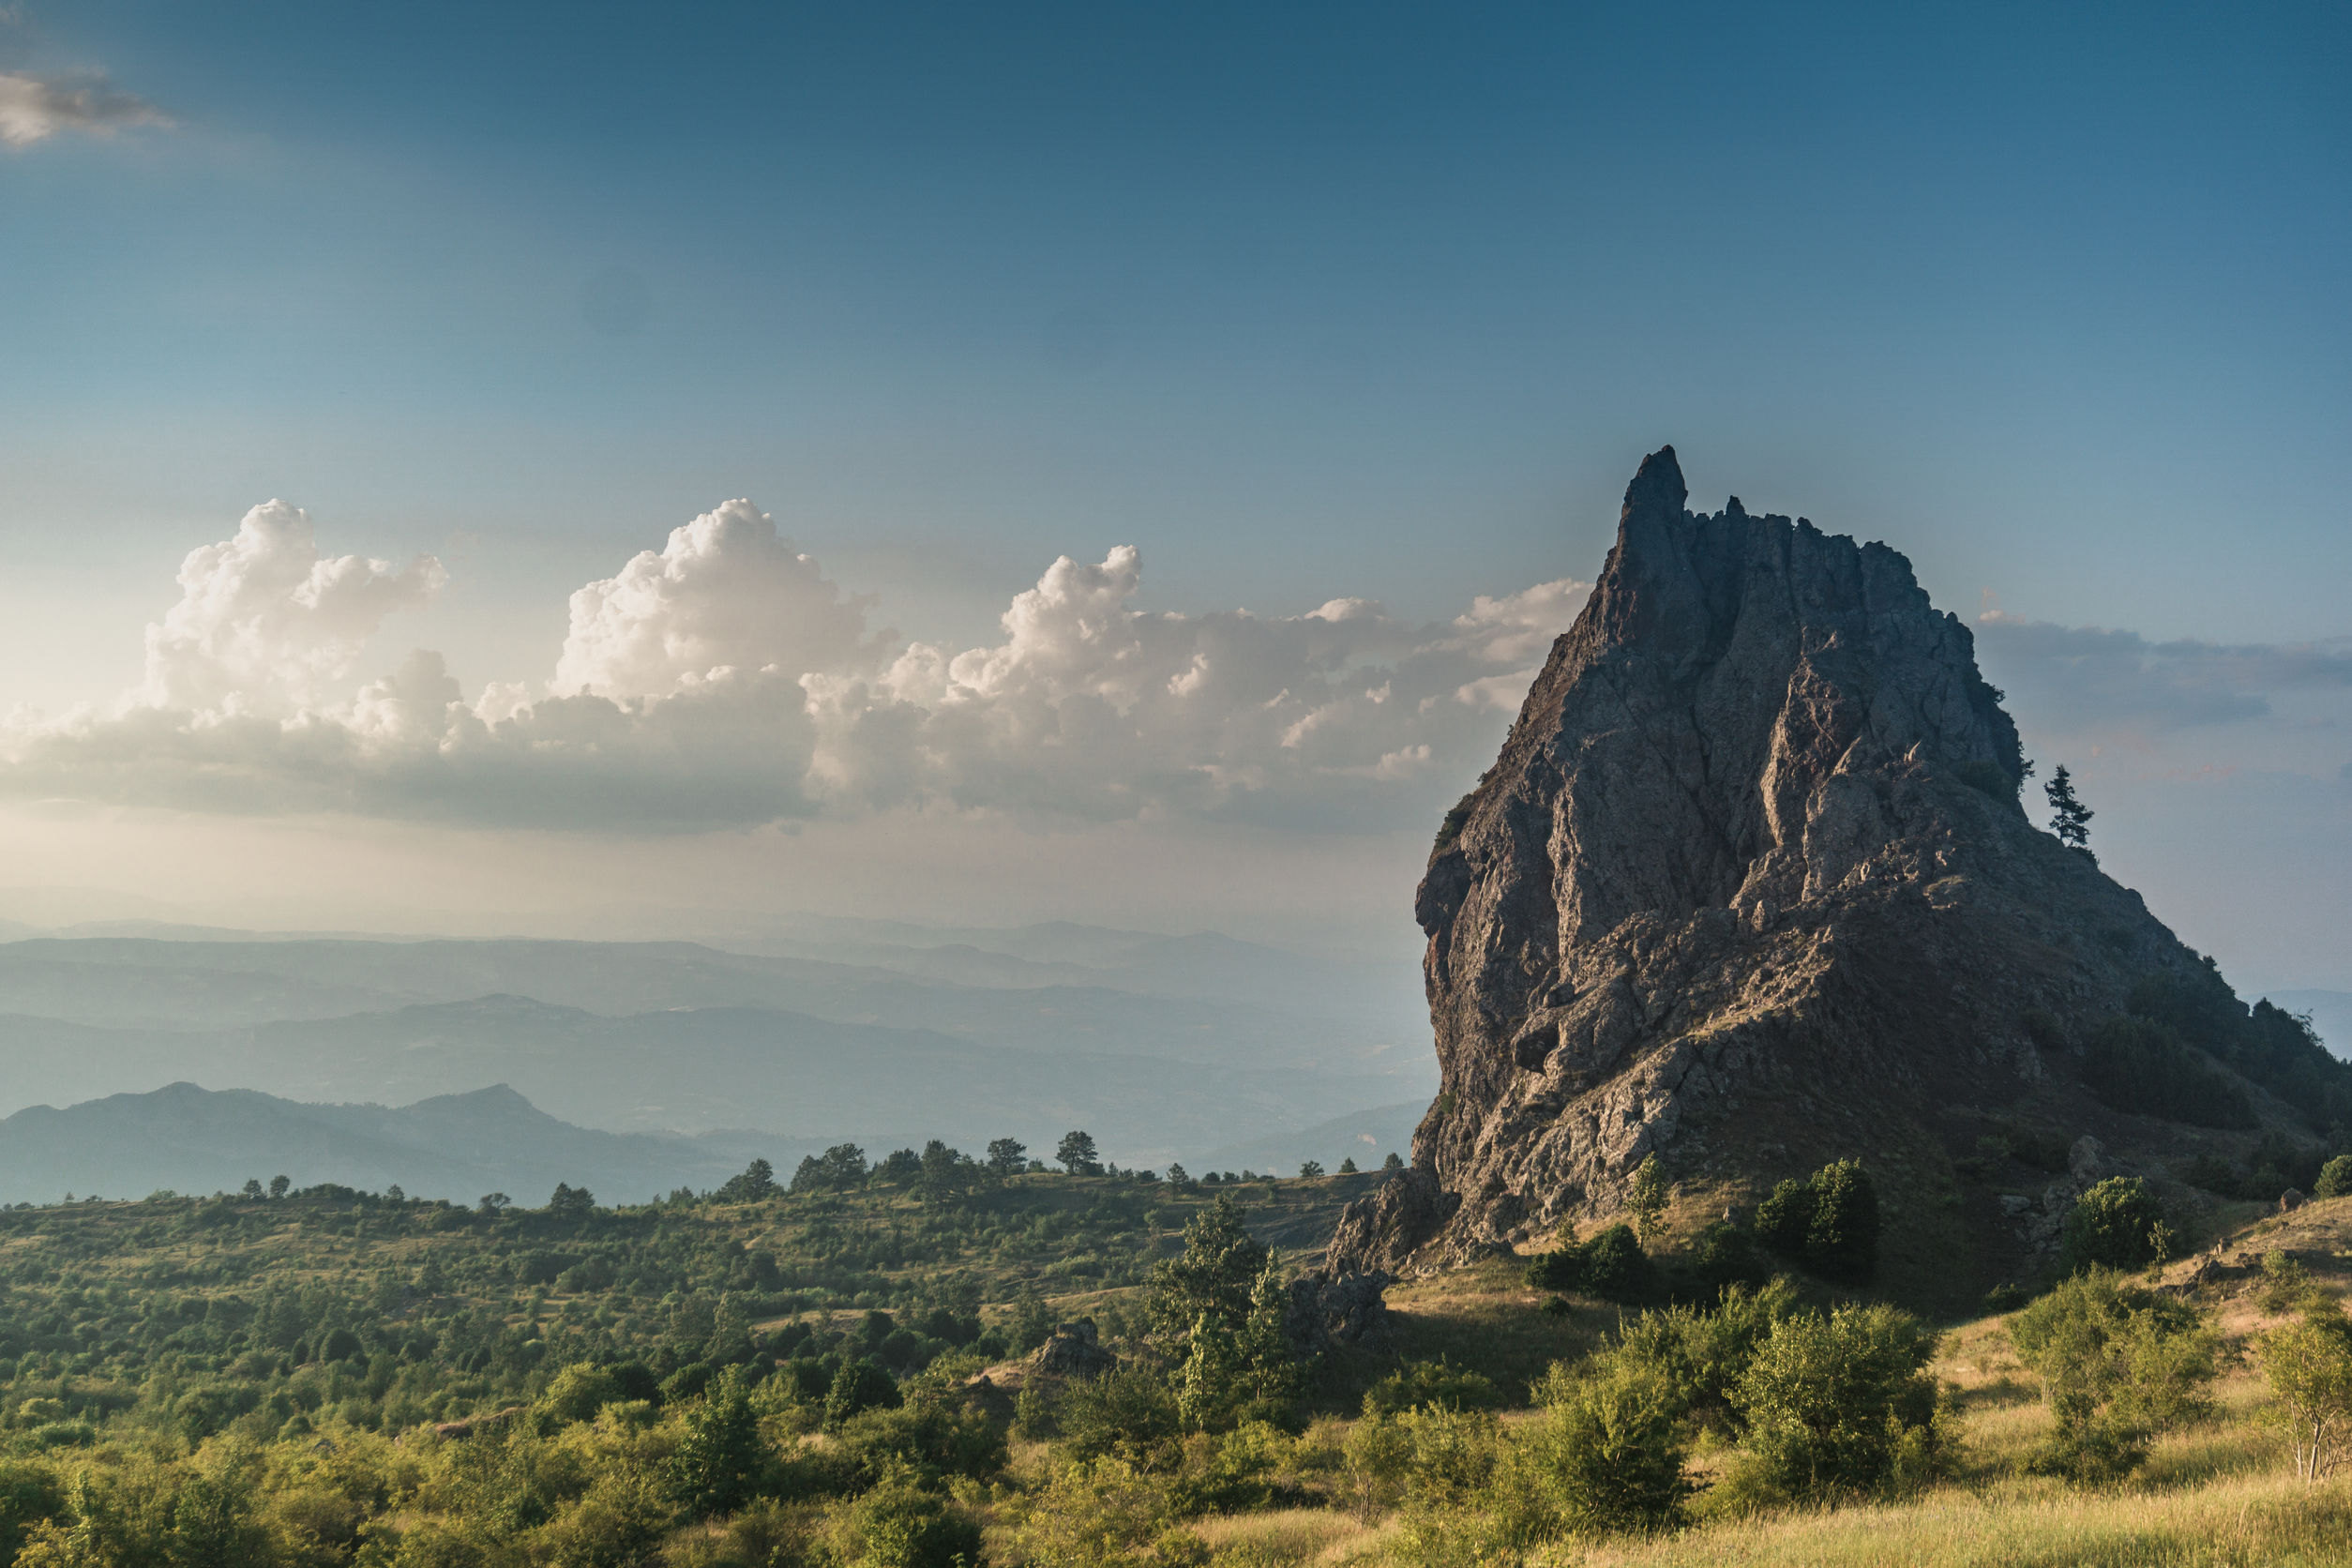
x=837 y=1376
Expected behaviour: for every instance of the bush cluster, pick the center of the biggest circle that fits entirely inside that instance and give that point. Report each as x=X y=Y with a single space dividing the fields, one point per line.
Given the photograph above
x=1828 y=1222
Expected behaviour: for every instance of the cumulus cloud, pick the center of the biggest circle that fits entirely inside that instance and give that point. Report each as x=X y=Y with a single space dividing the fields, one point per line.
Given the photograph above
x=727 y=593
x=265 y=622
x=2089 y=679
x=724 y=681
x=36 y=108
x=1091 y=708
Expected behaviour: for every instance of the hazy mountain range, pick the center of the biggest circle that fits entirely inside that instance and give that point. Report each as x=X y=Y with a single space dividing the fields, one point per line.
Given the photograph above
x=455 y=1146
x=1161 y=1046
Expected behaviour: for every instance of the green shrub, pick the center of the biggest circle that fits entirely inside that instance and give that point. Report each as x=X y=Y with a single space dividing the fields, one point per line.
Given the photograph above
x=857 y=1387
x=1841 y=1403
x=1700 y=1356
x=1452 y=1456
x=1612 y=1447
x=900 y=1525
x=1035 y=1418
x=1726 y=1255
x=1785 y=1218
x=2113 y=1225
x=1611 y=1266
x=720 y=1462
x=1438 y=1382
x=2118 y=1364
x=1104 y=1514
x=1843 y=1241
x=2309 y=1365
x=29 y=1493
x=931 y=1437
x=576 y=1393
x=1829 y=1222
x=686 y=1383
x=1128 y=1415
x=1240 y=1473
x=1374 y=1458
x=2335 y=1178
x=2285 y=1284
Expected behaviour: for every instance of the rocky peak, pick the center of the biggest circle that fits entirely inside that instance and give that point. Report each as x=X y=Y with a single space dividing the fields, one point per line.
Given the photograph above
x=1749 y=885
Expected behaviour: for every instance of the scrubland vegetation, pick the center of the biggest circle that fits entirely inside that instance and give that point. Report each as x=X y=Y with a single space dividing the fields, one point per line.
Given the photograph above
x=835 y=1375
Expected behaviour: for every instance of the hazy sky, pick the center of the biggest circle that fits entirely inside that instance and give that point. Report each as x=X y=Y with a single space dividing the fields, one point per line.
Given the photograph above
x=1354 y=318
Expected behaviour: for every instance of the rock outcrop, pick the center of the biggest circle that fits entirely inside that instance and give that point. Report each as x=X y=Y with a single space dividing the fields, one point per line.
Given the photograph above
x=1750 y=886
x=1072 y=1351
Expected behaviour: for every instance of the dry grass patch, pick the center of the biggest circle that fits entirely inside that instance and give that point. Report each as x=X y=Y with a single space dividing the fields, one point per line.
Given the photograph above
x=2267 y=1520
x=1292 y=1535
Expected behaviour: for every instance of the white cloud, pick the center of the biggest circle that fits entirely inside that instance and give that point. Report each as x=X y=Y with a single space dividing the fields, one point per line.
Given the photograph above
x=265 y=623
x=36 y=108
x=726 y=592
x=1091 y=708
x=724 y=681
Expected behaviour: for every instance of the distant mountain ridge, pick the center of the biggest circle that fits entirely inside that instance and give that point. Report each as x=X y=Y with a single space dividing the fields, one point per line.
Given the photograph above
x=1155 y=1044
x=697 y=1070
x=456 y=1146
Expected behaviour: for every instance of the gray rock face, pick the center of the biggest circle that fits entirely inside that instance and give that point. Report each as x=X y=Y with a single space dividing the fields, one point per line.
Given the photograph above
x=1749 y=886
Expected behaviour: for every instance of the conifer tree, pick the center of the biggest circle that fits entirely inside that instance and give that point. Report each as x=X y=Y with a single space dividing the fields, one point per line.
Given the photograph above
x=2069 y=819
x=1078 y=1155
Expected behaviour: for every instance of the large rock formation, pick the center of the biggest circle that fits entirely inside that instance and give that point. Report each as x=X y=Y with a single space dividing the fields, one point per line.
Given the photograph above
x=1750 y=886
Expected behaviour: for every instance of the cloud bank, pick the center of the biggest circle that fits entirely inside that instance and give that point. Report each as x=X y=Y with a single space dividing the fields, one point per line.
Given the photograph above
x=36 y=108
x=724 y=681
x=2091 y=679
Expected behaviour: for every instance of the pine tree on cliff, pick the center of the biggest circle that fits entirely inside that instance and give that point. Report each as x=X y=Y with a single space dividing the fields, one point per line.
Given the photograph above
x=2069 y=819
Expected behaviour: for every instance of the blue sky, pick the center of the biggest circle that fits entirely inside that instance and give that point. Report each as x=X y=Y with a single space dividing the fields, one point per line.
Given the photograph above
x=1304 y=301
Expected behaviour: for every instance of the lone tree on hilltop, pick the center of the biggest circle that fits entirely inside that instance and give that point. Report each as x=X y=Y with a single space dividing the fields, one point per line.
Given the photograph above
x=277 y=1185
x=571 y=1202
x=1077 y=1155
x=1007 y=1157
x=2069 y=819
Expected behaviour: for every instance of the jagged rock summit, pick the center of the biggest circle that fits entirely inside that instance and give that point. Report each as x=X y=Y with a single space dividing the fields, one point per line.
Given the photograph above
x=1750 y=885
